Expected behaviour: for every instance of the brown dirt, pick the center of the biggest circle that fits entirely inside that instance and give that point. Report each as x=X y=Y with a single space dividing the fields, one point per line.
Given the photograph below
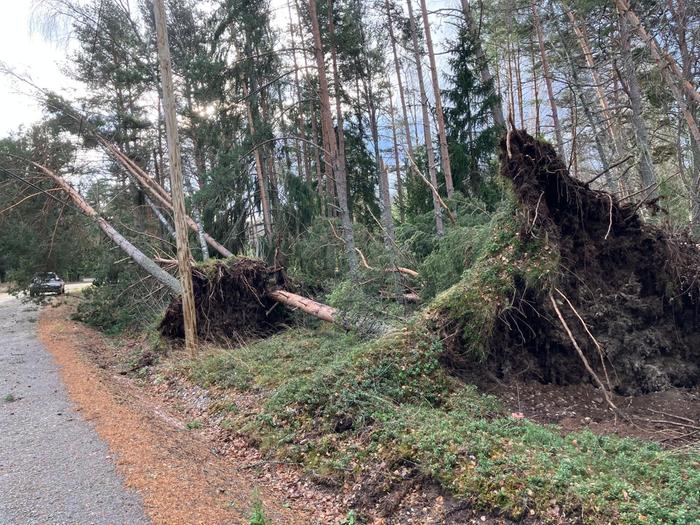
x=670 y=417
x=231 y=301
x=632 y=286
x=179 y=478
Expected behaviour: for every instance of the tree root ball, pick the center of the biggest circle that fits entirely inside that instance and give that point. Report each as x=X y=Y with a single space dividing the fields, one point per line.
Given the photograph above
x=628 y=290
x=231 y=301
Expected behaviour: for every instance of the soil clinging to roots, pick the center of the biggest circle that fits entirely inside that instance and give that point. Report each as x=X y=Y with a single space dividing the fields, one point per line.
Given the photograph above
x=231 y=301
x=629 y=291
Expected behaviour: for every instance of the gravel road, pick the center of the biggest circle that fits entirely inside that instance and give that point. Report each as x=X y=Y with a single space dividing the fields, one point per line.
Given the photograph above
x=54 y=469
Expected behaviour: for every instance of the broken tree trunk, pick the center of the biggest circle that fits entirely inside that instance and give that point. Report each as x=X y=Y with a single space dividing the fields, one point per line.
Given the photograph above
x=176 y=186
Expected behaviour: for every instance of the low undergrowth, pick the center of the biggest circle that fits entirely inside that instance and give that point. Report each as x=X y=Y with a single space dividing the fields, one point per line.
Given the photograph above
x=342 y=407
x=374 y=412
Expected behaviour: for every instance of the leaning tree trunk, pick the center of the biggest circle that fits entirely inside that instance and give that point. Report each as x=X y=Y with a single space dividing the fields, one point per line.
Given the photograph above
x=132 y=251
x=634 y=92
x=156 y=190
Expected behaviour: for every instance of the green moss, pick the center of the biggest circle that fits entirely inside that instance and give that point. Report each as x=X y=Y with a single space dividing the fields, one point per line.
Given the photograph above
x=337 y=404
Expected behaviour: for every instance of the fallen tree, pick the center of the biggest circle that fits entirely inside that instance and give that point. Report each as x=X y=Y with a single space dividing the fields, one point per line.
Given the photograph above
x=572 y=285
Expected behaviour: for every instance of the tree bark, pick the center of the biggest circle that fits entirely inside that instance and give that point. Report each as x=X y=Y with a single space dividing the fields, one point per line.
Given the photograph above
x=548 y=80
x=338 y=171
x=439 y=113
x=439 y=227
x=634 y=92
x=178 y=194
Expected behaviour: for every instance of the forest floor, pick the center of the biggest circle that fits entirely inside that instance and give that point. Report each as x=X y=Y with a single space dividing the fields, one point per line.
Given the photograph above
x=193 y=428
x=177 y=471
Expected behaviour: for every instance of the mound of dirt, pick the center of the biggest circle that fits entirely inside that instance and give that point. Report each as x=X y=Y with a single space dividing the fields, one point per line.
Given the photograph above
x=627 y=290
x=231 y=301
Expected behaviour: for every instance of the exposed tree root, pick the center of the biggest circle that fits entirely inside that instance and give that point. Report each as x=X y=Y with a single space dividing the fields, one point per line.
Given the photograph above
x=632 y=289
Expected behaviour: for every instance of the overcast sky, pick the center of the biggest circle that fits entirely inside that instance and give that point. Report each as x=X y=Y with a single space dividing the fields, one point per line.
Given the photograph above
x=28 y=53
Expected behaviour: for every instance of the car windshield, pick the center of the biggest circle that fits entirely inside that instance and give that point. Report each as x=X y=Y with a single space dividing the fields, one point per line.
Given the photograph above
x=47 y=276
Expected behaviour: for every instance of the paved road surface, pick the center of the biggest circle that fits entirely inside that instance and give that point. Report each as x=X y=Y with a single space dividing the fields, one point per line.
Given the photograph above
x=54 y=469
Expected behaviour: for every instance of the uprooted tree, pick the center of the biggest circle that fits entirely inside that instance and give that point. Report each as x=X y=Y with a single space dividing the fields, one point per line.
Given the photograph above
x=573 y=284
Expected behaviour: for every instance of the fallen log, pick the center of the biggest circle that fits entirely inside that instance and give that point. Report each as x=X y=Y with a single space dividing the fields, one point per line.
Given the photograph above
x=132 y=251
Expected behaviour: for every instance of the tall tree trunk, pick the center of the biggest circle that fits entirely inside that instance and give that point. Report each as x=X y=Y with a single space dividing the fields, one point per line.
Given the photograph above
x=259 y=169
x=484 y=71
x=340 y=121
x=338 y=171
x=535 y=86
x=680 y=16
x=301 y=149
x=439 y=113
x=439 y=227
x=178 y=194
x=548 y=80
x=397 y=161
x=399 y=80
x=519 y=85
x=634 y=92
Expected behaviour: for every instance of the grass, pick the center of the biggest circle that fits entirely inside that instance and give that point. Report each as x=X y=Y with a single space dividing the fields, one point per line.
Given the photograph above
x=336 y=404
x=341 y=406
x=193 y=425
x=9 y=398
x=257 y=516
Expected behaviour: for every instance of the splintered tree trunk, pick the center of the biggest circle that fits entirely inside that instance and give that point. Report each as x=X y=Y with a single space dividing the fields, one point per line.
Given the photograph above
x=338 y=171
x=178 y=194
x=439 y=114
x=548 y=80
x=439 y=227
x=132 y=251
x=484 y=71
x=634 y=92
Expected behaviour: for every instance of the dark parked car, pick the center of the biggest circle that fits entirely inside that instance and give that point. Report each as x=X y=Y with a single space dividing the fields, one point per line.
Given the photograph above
x=47 y=282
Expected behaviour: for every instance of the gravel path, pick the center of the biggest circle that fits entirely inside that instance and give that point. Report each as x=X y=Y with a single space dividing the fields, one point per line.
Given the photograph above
x=54 y=469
